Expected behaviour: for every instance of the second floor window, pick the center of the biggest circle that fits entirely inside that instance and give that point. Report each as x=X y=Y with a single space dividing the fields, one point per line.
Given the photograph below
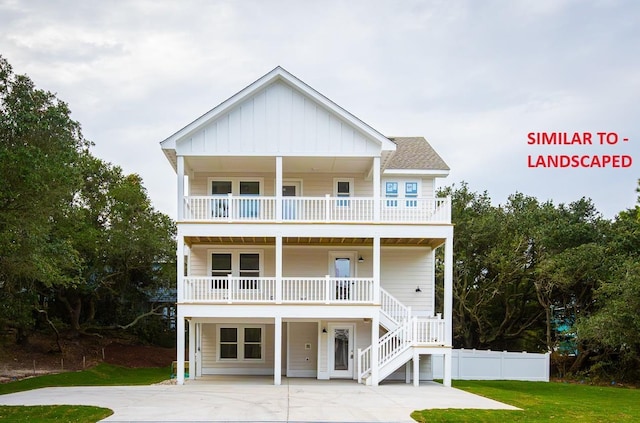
x=243 y=264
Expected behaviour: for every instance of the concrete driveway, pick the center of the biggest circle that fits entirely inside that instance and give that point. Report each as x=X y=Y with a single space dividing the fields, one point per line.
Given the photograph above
x=296 y=400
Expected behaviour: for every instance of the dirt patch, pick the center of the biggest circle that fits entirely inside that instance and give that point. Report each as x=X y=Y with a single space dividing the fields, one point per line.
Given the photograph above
x=138 y=355
x=42 y=356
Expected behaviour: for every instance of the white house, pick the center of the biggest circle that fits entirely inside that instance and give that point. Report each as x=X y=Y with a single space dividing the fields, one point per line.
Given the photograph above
x=306 y=242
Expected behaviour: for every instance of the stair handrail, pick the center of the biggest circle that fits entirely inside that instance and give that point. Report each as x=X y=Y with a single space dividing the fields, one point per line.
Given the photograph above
x=394 y=309
x=395 y=342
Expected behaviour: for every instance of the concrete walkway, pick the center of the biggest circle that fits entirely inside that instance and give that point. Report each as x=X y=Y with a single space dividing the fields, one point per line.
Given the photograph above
x=296 y=400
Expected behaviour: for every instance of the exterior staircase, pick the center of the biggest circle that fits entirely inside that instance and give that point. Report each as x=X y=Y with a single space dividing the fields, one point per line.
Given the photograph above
x=404 y=333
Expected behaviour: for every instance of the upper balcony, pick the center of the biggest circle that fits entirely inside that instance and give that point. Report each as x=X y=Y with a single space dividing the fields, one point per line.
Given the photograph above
x=327 y=209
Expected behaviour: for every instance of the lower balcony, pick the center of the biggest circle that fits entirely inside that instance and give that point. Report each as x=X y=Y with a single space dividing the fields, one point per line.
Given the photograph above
x=271 y=290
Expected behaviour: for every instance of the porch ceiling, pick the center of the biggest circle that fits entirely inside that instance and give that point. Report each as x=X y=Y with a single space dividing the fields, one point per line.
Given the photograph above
x=328 y=241
x=290 y=164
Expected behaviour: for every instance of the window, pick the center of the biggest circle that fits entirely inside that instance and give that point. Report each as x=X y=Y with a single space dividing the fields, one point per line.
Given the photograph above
x=237 y=187
x=249 y=208
x=391 y=190
x=220 y=207
x=394 y=191
x=241 y=343
x=343 y=188
x=220 y=269
x=411 y=193
x=249 y=266
x=246 y=264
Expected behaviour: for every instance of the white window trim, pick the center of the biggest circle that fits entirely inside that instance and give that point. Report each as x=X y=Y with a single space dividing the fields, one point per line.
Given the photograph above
x=351 y=182
x=235 y=258
x=235 y=184
x=240 y=331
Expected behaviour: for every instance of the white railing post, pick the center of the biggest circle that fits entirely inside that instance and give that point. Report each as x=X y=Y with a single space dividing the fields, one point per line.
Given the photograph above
x=359 y=365
x=230 y=208
x=327 y=208
x=327 y=289
x=230 y=288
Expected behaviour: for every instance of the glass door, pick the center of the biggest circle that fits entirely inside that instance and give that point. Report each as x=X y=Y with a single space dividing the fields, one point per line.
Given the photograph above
x=341 y=351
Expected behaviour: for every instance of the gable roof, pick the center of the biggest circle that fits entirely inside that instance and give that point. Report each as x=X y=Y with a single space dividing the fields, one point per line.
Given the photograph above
x=277 y=74
x=415 y=153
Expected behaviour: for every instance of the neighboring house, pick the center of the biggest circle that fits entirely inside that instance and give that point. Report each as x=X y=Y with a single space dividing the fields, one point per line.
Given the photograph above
x=306 y=242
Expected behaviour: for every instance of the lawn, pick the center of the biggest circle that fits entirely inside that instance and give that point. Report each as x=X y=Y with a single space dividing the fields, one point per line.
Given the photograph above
x=102 y=374
x=542 y=402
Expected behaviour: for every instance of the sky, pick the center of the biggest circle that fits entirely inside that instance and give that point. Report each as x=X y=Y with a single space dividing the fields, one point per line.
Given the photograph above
x=473 y=77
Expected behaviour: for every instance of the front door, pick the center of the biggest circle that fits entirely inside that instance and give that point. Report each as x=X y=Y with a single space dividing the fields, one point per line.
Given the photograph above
x=341 y=351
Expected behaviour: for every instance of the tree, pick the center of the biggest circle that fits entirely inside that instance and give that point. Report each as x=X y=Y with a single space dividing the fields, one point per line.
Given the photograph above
x=125 y=245
x=611 y=333
x=41 y=148
x=79 y=240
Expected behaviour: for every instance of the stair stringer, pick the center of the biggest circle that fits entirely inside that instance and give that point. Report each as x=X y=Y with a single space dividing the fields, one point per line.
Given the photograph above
x=395 y=363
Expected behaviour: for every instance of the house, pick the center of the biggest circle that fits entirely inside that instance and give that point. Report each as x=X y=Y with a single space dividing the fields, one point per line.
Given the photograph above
x=306 y=242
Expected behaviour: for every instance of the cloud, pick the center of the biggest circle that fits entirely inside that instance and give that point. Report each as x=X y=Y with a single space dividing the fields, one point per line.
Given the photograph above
x=472 y=77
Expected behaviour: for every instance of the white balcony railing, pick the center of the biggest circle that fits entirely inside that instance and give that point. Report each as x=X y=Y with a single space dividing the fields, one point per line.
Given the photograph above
x=234 y=290
x=316 y=209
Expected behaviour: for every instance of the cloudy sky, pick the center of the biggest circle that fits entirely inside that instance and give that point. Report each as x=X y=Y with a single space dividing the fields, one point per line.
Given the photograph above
x=473 y=77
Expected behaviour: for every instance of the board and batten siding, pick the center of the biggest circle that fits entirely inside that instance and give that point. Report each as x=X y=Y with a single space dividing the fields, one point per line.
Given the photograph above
x=278 y=120
x=405 y=268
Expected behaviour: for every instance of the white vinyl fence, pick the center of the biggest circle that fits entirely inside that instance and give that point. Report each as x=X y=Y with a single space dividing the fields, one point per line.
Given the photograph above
x=494 y=365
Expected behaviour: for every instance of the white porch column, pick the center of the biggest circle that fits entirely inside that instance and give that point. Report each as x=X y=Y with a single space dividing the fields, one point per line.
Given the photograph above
x=447 y=361
x=416 y=369
x=278 y=298
x=180 y=348
x=448 y=288
x=180 y=172
x=180 y=266
x=192 y=349
x=376 y=189
x=375 y=339
x=277 y=353
x=279 y=188
x=198 y=350
x=376 y=269
x=448 y=306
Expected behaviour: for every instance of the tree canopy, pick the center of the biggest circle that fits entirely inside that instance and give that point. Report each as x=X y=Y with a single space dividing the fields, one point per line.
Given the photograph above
x=542 y=277
x=80 y=243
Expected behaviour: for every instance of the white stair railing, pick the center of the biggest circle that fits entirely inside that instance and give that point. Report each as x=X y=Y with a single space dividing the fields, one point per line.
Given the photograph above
x=390 y=345
x=393 y=308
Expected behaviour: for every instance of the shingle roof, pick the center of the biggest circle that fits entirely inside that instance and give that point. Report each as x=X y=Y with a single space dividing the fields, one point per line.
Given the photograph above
x=415 y=153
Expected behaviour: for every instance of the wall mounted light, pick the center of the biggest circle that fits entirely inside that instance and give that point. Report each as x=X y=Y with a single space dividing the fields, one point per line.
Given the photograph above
x=360 y=259
x=324 y=330
x=418 y=289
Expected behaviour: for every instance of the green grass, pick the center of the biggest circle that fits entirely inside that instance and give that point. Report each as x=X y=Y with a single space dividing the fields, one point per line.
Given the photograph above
x=53 y=413
x=100 y=375
x=542 y=402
